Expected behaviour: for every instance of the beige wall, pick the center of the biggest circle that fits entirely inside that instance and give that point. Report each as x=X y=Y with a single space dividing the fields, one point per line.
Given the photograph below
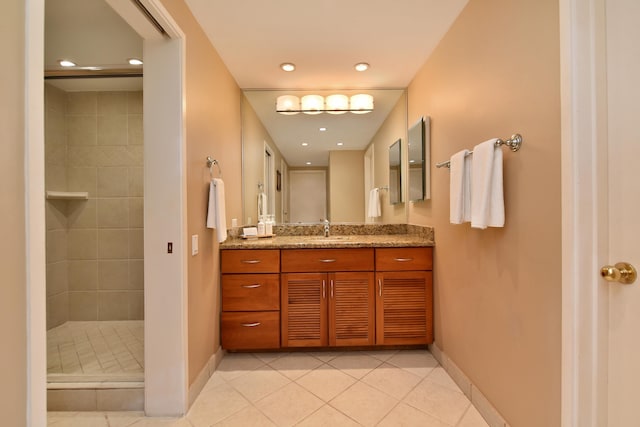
x=346 y=186
x=393 y=128
x=13 y=306
x=213 y=128
x=254 y=135
x=498 y=291
x=95 y=259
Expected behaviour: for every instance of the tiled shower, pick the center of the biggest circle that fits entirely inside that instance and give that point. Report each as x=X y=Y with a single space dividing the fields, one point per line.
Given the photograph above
x=94 y=249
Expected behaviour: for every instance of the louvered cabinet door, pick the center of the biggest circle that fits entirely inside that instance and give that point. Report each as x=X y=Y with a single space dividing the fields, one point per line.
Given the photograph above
x=351 y=309
x=304 y=309
x=404 y=307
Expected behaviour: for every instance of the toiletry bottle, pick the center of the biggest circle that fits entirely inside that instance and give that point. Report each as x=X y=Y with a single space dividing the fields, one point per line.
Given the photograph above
x=268 y=226
x=261 y=226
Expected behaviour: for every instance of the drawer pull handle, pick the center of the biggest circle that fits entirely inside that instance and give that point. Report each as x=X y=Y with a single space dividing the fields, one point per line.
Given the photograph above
x=250 y=261
x=331 y=288
x=324 y=289
x=380 y=287
x=328 y=260
x=250 y=325
x=257 y=285
x=403 y=259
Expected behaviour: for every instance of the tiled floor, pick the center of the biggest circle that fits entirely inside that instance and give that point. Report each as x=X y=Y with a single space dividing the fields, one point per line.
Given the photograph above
x=96 y=350
x=377 y=388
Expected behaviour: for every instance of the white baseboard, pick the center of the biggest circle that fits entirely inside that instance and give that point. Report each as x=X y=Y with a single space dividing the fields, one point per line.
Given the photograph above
x=478 y=400
x=207 y=370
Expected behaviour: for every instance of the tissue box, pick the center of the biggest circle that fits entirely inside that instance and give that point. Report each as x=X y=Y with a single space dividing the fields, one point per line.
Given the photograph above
x=250 y=231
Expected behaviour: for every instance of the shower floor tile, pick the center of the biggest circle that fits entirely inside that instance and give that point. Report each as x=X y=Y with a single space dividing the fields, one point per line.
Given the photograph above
x=96 y=349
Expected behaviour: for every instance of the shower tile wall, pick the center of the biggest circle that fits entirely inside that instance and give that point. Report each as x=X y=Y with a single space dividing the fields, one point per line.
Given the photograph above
x=104 y=235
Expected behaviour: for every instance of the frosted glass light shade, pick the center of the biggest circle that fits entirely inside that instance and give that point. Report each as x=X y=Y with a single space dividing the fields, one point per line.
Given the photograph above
x=361 y=103
x=312 y=104
x=337 y=104
x=288 y=105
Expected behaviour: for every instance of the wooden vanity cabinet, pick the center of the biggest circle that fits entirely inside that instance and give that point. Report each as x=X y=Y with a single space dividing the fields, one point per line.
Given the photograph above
x=250 y=299
x=404 y=296
x=327 y=297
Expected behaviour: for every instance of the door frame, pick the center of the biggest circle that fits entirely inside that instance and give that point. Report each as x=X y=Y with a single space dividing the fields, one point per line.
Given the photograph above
x=166 y=358
x=584 y=212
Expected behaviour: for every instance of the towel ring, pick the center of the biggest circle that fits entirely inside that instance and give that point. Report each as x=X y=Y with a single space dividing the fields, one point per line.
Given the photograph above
x=210 y=162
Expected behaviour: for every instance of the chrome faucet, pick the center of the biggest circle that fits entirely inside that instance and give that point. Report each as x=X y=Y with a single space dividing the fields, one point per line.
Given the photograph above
x=326 y=228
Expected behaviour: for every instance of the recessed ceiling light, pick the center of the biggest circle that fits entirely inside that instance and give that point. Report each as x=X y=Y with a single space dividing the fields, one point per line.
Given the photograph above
x=340 y=143
x=323 y=129
x=134 y=61
x=304 y=144
x=288 y=66
x=66 y=63
x=308 y=163
x=361 y=66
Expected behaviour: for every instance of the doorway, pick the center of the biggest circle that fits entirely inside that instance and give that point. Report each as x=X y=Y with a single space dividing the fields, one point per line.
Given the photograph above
x=308 y=196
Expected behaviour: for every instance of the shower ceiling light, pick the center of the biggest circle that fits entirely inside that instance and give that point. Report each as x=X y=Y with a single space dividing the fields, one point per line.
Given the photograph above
x=288 y=66
x=316 y=104
x=361 y=66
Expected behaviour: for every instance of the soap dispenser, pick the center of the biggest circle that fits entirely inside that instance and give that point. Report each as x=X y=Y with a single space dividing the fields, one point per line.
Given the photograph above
x=261 y=226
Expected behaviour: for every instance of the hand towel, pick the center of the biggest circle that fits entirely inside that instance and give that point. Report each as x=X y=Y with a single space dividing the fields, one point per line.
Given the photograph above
x=216 y=216
x=460 y=188
x=487 y=197
x=262 y=204
x=373 y=210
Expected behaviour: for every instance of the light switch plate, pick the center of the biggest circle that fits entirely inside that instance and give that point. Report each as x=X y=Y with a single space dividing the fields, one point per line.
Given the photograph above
x=194 y=245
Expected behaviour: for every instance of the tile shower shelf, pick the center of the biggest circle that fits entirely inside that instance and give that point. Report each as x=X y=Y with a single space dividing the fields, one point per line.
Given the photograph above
x=67 y=195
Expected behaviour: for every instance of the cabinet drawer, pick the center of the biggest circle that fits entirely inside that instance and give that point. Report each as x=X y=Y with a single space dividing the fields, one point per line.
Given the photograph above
x=250 y=261
x=250 y=292
x=318 y=260
x=249 y=331
x=399 y=259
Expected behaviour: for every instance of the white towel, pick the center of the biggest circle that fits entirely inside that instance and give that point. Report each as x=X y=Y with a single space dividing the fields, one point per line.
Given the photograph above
x=216 y=217
x=460 y=188
x=373 y=209
x=487 y=197
x=262 y=204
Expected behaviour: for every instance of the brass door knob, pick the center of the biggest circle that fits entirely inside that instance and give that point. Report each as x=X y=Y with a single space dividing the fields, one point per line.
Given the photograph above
x=622 y=272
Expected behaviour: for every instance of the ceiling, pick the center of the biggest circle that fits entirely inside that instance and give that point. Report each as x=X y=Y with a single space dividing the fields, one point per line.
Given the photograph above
x=324 y=38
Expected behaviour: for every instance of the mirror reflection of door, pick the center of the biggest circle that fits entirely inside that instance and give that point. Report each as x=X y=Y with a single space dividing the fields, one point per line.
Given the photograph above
x=269 y=181
x=308 y=196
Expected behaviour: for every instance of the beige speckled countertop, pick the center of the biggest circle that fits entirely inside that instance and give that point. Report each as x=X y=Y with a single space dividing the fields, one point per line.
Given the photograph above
x=342 y=236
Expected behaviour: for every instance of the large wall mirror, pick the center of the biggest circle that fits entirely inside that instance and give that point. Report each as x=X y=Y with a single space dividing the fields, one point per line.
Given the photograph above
x=317 y=159
x=419 y=149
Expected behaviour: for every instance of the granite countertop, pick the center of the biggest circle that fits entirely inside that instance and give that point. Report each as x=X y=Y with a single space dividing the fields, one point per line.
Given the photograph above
x=341 y=236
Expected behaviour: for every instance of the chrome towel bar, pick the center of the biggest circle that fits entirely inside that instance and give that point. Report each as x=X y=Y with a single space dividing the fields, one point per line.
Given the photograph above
x=514 y=143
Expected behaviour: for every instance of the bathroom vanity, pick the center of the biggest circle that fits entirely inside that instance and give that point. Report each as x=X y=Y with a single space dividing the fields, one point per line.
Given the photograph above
x=340 y=291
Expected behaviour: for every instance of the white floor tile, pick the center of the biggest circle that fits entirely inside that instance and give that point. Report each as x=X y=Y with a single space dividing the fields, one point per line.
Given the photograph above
x=249 y=416
x=418 y=362
x=355 y=364
x=295 y=365
x=472 y=418
x=364 y=404
x=391 y=380
x=326 y=382
x=327 y=416
x=289 y=405
x=438 y=401
x=261 y=383
x=407 y=416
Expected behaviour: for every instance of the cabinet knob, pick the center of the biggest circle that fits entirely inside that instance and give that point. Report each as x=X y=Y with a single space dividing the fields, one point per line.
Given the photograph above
x=622 y=272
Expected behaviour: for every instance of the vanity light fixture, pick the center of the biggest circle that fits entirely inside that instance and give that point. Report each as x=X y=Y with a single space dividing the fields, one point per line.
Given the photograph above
x=361 y=66
x=66 y=63
x=333 y=104
x=288 y=67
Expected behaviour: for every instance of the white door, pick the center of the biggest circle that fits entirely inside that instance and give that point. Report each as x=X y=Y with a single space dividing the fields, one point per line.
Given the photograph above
x=307 y=196
x=623 y=94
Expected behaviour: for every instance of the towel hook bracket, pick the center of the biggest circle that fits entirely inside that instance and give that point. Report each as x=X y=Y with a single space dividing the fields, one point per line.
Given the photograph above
x=210 y=162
